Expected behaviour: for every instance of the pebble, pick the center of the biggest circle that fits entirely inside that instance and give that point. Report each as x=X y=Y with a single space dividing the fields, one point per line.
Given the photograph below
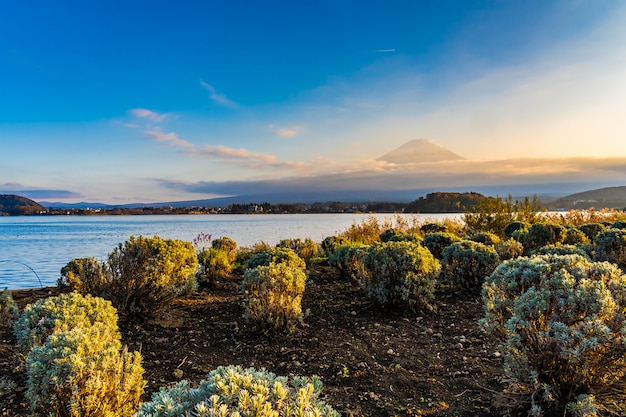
x=178 y=373
x=458 y=346
x=391 y=352
x=497 y=354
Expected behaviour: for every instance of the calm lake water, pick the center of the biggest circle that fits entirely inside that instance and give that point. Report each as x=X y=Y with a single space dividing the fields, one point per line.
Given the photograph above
x=34 y=249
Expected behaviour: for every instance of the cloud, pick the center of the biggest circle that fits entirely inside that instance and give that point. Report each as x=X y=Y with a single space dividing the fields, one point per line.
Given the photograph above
x=37 y=193
x=283 y=133
x=385 y=50
x=170 y=139
x=148 y=114
x=220 y=99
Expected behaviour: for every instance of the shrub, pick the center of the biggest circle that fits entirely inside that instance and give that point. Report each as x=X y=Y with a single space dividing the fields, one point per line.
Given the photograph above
x=493 y=214
x=274 y=294
x=228 y=245
x=276 y=255
x=467 y=263
x=611 y=246
x=306 y=249
x=402 y=273
x=366 y=232
x=141 y=277
x=8 y=309
x=59 y=314
x=436 y=242
x=84 y=372
x=388 y=234
x=591 y=230
x=620 y=224
x=542 y=234
x=232 y=390
x=509 y=249
x=562 y=321
x=348 y=259
x=331 y=243
x=574 y=236
x=214 y=264
x=562 y=250
x=433 y=228
x=486 y=238
x=514 y=229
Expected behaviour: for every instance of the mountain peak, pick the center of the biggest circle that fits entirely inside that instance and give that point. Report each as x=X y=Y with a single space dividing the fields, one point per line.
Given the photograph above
x=420 y=150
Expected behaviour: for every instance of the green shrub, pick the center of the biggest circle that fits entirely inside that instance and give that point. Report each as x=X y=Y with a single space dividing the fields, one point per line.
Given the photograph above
x=276 y=255
x=514 y=229
x=433 y=228
x=509 y=249
x=400 y=273
x=562 y=250
x=562 y=323
x=228 y=245
x=331 y=243
x=274 y=294
x=611 y=246
x=620 y=224
x=60 y=314
x=8 y=309
x=486 y=238
x=306 y=249
x=542 y=234
x=467 y=263
x=234 y=391
x=348 y=259
x=366 y=232
x=141 y=277
x=591 y=230
x=574 y=236
x=436 y=242
x=214 y=264
x=388 y=234
x=83 y=371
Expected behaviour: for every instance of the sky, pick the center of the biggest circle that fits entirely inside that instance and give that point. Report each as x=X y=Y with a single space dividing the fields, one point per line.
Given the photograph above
x=151 y=101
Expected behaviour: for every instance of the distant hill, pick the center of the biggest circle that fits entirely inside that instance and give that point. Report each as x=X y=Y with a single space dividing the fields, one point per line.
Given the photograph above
x=15 y=205
x=609 y=197
x=445 y=203
x=419 y=151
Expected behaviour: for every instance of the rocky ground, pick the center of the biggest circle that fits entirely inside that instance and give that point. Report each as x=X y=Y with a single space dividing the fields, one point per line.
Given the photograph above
x=372 y=362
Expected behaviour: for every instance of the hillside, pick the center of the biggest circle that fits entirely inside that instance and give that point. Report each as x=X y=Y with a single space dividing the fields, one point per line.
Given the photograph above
x=15 y=205
x=609 y=197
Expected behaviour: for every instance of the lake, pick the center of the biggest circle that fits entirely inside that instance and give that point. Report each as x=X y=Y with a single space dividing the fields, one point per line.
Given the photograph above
x=34 y=249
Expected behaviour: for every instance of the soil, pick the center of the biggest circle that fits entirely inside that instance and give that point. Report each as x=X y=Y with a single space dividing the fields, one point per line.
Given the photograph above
x=372 y=362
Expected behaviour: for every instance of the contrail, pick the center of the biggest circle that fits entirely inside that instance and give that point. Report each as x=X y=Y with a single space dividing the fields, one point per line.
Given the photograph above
x=385 y=50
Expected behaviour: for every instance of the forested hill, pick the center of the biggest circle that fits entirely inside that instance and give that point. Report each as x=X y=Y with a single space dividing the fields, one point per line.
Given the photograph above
x=15 y=205
x=445 y=203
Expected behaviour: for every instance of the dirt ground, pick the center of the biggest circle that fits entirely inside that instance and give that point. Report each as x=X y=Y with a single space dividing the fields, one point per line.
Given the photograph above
x=372 y=362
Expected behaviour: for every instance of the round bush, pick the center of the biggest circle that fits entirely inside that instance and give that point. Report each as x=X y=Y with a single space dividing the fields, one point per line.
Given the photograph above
x=348 y=259
x=562 y=323
x=467 y=263
x=331 y=243
x=8 y=309
x=591 y=230
x=274 y=256
x=486 y=238
x=574 y=236
x=234 y=391
x=215 y=264
x=306 y=249
x=62 y=313
x=542 y=234
x=436 y=242
x=611 y=246
x=509 y=249
x=274 y=294
x=228 y=245
x=433 y=228
x=514 y=229
x=400 y=273
x=562 y=250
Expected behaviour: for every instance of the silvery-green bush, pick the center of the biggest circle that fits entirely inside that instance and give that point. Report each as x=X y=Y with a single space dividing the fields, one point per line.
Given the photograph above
x=227 y=245
x=562 y=324
x=8 y=308
x=348 y=259
x=83 y=371
x=305 y=249
x=509 y=249
x=486 y=238
x=611 y=246
x=514 y=229
x=436 y=242
x=400 y=273
x=234 y=391
x=214 y=263
x=591 y=230
x=141 y=277
x=331 y=243
x=562 y=250
x=274 y=294
x=467 y=263
x=575 y=236
x=542 y=234
x=276 y=255
x=59 y=314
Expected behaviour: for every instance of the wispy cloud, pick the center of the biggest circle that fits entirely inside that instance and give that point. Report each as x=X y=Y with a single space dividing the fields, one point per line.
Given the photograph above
x=282 y=132
x=148 y=114
x=220 y=99
x=170 y=139
x=36 y=193
x=384 y=50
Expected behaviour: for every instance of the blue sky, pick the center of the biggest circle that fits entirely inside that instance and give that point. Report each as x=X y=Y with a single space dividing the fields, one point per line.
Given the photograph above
x=149 y=101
